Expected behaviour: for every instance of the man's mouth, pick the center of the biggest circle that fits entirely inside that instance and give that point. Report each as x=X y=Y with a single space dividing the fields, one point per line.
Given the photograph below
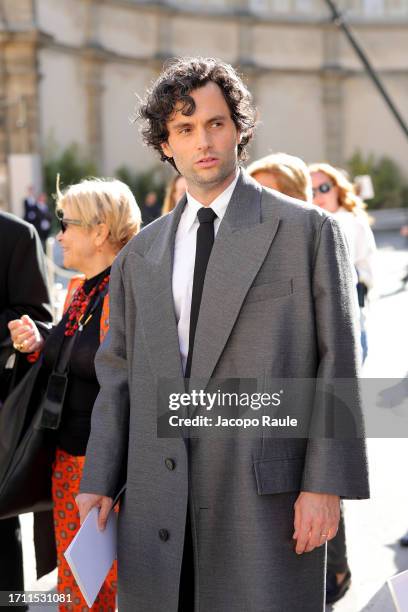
x=207 y=162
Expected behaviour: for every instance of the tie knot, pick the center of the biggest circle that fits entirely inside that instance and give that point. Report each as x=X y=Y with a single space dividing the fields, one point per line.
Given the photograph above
x=206 y=215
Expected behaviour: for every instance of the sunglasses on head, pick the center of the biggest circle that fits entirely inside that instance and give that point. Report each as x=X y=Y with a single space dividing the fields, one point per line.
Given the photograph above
x=323 y=188
x=64 y=222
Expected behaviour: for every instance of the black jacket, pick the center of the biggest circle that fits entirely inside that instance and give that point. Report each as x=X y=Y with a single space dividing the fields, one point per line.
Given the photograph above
x=23 y=290
x=23 y=286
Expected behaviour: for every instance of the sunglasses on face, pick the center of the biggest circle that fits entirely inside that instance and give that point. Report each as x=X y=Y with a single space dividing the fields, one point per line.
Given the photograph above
x=323 y=188
x=64 y=222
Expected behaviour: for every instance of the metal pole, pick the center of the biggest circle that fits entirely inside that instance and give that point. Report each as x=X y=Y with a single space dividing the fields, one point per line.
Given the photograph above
x=339 y=21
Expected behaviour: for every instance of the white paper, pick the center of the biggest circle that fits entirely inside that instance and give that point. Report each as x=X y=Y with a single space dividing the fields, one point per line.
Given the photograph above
x=91 y=554
x=398 y=585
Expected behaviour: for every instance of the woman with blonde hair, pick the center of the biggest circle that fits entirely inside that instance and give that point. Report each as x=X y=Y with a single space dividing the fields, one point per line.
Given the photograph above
x=342 y=191
x=97 y=218
x=284 y=173
x=175 y=190
x=335 y=193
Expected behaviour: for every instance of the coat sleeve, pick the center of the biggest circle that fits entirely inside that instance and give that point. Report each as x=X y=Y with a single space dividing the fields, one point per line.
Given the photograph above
x=27 y=290
x=106 y=454
x=336 y=459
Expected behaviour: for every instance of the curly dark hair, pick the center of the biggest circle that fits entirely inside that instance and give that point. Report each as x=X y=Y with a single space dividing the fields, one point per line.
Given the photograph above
x=179 y=78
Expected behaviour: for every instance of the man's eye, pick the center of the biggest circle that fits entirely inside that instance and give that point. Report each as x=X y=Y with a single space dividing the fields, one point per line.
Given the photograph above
x=217 y=123
x=185 y=131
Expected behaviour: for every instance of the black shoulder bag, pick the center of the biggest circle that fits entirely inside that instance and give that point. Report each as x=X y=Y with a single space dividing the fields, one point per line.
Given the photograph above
x=27 y=446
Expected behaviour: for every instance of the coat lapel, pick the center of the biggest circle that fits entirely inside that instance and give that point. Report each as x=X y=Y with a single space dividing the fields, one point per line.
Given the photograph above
x=239 y=250
x=154 y=298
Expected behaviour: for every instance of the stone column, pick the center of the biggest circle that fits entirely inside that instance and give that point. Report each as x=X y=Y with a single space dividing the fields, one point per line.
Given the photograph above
x=91 y=21
x=92 y=64
x=19 y=103
x=332 y=76
x=20 y=62
x=19 y=111
x=92 y=70
x=245 y=61
x=164 y=40
x=17 y=11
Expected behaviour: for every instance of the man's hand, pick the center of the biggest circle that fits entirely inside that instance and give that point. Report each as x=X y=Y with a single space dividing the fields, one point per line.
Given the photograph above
x=316 y=521
x=87 y=501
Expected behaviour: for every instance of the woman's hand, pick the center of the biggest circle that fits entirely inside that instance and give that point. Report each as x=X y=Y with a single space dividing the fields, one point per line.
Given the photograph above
x=25 y=335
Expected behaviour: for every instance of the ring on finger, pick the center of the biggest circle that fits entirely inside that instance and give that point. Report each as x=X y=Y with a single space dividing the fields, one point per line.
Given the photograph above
x=17 y=346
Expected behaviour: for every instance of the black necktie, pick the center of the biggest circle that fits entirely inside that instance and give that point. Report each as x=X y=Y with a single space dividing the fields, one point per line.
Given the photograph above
x=205 y=241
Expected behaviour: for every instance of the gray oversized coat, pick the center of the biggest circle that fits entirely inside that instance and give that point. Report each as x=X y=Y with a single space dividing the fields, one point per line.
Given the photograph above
x=277 y=301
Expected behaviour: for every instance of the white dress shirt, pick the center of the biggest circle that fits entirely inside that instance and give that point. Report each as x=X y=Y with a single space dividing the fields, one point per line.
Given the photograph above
x=184 y=259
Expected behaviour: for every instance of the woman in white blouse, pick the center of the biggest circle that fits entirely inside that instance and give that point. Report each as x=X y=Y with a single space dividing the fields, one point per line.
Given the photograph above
x=334 y=192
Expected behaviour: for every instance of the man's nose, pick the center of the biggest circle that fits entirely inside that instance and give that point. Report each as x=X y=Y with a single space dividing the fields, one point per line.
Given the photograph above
x=203 y=139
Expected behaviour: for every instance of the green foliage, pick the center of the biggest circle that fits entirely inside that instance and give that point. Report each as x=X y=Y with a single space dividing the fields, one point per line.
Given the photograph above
x=72 y=166
x=141 y=183
x=390 y=186
x=70 y=163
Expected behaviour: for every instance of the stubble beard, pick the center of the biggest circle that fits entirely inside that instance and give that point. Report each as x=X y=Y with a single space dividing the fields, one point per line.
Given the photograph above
x=209 y=179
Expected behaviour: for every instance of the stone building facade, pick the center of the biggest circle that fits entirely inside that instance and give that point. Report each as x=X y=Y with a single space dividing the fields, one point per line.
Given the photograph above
x=71 y=70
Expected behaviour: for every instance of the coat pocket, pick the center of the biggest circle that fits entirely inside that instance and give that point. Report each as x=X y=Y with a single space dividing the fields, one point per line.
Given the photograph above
x=267 y=291
x=278 y=475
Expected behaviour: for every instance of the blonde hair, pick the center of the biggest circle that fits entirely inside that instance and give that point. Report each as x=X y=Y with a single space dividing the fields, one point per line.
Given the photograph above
x=290 y=173
x=107 y=201
x=169 y=198
x=347 y=196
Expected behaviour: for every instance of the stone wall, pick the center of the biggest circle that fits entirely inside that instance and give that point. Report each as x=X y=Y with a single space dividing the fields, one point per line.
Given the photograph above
x=71 y=71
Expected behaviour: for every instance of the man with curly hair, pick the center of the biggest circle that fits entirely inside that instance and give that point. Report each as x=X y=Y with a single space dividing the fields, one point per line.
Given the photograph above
x=237 y=282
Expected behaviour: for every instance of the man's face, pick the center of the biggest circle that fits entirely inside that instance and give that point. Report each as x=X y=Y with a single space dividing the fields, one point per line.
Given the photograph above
x=204 y=145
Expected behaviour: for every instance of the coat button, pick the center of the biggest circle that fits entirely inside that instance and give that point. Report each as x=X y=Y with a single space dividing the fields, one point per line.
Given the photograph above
x=164 y=535
x=170 y=463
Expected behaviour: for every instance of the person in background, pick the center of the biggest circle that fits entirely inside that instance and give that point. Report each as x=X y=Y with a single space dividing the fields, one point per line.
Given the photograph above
x=44 y=218
x=175 y=190
x=290 y=175
x=284 y=173
x=37 y=213
x=30 y=205
x=151 y=208
x=97 y=219
x=23 y=289
x=334 y=192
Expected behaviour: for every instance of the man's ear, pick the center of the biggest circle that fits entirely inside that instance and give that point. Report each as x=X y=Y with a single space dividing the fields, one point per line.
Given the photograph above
x=166 y=149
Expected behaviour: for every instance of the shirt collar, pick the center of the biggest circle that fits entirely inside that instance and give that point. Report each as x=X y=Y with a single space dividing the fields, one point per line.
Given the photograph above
x=219 y=205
